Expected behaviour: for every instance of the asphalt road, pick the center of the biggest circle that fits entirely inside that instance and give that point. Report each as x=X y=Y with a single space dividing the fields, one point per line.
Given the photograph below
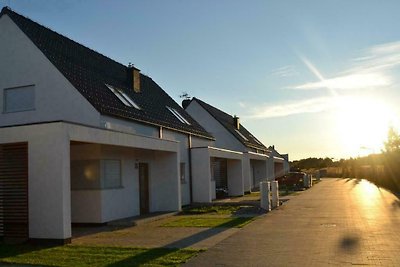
x=339 y=222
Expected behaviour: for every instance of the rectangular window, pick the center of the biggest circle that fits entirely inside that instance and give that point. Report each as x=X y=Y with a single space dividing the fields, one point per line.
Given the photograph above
x=85 y=174
x=178 y=115
x=95 y=174
x=19 y=99
x=182 y=173
x=111 y=174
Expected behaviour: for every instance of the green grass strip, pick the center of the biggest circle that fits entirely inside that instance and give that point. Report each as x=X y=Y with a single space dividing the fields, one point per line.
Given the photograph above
x=218 y=210
x=210 y=222
x=94 y=256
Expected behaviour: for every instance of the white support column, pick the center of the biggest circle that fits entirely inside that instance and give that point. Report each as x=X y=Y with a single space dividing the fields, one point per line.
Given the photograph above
x=166 y=185
x=235 y=177
x=265 y=199
x=275 y=194
x=201 y=176
x=49 y=185
x=247 y=178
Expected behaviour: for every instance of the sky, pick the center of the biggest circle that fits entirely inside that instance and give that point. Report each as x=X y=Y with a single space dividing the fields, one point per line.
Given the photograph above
x=313 y=78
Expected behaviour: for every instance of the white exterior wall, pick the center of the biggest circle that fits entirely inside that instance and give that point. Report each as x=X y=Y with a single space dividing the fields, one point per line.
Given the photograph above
x=223 y=138
x=129 y=126
x=21 y=64
x=48 y=178
x=104 y=205
x=202 y=142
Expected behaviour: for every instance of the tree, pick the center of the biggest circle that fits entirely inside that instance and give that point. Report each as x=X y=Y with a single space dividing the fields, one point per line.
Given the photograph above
x=393 y=142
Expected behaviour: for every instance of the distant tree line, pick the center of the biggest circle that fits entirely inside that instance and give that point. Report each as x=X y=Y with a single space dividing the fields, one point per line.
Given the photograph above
x=382 y=169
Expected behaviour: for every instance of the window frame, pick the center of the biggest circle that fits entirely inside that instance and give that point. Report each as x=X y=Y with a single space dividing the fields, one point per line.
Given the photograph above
x=178 y=115
x=103 y=175
x=241 y=135
x=123 y=97
x=182 y=172
x=5 y=90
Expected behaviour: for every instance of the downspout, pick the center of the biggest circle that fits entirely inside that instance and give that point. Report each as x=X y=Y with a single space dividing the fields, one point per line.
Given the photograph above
x=190 y=168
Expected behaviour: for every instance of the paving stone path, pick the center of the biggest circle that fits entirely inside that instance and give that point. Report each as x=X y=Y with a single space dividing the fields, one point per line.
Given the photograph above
x=339 y=222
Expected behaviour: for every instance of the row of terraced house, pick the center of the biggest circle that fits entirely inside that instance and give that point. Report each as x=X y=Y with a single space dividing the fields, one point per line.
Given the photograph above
x=85 y=139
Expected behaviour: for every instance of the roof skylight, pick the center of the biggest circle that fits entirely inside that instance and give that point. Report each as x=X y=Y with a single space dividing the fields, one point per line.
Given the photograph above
x=123 y=97
x=178 y=115
x=241 y=135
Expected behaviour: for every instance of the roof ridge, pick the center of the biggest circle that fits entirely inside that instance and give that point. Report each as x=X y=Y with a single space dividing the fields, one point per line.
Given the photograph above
x=242 y=130
x=8 y=10
x=202 y=102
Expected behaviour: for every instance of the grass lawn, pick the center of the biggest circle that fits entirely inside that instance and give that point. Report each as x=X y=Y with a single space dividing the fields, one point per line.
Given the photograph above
x=215 y=222
x=94 y=256
x=212 y=209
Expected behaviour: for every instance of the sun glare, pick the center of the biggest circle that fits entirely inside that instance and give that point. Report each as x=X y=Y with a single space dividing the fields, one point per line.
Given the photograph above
x=363 y=124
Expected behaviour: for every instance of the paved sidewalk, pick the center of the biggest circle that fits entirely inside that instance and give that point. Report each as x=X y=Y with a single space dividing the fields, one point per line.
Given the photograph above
x=339 y=222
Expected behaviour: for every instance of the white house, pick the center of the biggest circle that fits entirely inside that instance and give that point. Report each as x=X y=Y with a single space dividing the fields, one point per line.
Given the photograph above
x=83 y=139
x=245 y=162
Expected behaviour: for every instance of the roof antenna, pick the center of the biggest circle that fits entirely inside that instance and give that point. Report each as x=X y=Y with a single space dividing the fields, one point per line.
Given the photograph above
x=184 y=95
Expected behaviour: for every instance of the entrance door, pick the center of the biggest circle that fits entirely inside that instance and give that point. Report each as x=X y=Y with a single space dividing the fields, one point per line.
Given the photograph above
x=144 y=187
x=14 y=192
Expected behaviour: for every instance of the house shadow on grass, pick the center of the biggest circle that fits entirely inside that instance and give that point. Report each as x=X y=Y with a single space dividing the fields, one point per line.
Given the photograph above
x=13 y=250
x=185 y=243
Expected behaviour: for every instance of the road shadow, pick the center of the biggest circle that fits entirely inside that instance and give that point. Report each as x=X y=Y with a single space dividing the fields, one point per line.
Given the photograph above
x=349 y=243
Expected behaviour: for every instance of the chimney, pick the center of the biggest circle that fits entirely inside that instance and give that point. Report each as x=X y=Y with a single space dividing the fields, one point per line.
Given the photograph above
x=236 y=122
x=134 y=78
x=185 y=103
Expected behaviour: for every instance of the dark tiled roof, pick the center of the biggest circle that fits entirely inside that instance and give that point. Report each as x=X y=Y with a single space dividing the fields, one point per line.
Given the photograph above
x=227 y=121
x=89 y=71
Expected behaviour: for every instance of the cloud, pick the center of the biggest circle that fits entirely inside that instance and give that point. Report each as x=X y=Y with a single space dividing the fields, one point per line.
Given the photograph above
x=370 y=70
x=285 y=71
x=294 y=107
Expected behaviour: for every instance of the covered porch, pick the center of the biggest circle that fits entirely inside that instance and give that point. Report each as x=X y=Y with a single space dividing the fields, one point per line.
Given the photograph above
x=214 y=170
x=86 y=174
x=255 y=168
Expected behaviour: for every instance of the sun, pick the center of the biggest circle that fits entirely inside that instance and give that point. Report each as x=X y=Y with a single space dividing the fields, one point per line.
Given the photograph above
x=362 y=125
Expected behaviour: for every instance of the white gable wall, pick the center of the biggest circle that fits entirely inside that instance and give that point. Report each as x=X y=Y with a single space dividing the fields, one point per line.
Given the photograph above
x=224 y=139
x=22 y=64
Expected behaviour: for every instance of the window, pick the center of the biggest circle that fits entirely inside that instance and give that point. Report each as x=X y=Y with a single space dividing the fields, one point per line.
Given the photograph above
x=111 y=174
x=183 y=173
x=19 y=99
x=241 y=135
x=85 y=174
x=178 y=115
x=95 y=174
x=123 y=97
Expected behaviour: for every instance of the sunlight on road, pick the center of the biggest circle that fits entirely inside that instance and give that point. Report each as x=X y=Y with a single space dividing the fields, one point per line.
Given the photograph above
x=369 y=196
